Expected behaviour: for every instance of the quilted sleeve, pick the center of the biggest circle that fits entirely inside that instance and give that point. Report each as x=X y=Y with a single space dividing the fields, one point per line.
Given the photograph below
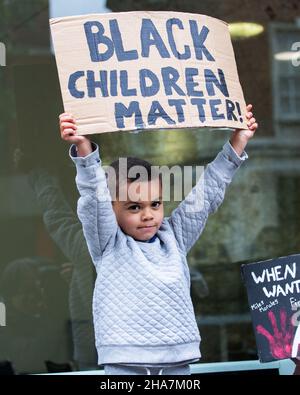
x=189 y=218
x=94 y=205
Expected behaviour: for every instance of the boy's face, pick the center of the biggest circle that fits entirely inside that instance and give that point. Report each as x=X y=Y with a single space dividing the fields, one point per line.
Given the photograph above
x=141 y=213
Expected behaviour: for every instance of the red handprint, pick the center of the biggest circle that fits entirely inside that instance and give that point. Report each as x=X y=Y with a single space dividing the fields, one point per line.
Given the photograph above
x=281 y=342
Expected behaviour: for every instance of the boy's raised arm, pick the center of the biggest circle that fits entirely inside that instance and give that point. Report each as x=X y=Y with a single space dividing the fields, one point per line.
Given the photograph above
x=94 y=205
x=189 y=218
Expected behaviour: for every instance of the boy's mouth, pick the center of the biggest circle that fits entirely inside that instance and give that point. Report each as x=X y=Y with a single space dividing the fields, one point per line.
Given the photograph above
x=147 y=227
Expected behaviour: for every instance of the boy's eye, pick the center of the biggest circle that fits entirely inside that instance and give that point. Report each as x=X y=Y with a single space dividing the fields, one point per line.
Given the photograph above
x=156 y=204
x=134 y=207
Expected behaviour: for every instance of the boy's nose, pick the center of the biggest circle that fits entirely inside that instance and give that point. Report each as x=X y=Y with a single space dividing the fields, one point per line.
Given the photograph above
x=146 y=215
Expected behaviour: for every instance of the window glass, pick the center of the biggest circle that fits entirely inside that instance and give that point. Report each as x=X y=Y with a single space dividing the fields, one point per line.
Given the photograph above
x=46 y=273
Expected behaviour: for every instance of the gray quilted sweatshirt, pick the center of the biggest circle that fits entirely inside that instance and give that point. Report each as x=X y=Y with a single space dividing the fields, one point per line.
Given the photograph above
x=142 y=309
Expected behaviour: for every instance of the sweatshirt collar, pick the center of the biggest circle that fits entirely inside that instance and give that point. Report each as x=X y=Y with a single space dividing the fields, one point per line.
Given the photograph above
x=153 y=238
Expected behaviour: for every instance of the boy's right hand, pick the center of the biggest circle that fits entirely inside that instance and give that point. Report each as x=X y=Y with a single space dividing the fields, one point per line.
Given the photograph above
x=68 y=128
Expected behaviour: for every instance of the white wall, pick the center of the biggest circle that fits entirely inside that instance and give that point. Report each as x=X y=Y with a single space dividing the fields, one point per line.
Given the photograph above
x=60 y=8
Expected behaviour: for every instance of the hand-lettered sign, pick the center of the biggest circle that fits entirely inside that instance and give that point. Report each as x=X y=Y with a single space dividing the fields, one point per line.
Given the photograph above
x=147 y=70
x=273 y=288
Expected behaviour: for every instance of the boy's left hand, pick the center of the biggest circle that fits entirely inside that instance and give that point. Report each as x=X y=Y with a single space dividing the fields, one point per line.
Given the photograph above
x=240 y=137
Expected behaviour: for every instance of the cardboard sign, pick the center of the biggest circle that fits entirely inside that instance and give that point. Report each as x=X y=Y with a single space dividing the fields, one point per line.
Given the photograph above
x=273 y=288
x=147 y=70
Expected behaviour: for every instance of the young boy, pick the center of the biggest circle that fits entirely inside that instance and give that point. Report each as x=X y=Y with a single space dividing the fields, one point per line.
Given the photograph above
x=143 y=314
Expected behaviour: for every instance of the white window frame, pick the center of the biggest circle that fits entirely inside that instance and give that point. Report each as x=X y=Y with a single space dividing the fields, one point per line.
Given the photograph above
x=280 y=118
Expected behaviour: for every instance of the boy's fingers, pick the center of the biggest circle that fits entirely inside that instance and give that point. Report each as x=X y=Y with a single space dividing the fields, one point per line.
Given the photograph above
x=252 y=120
x=254 y=126
x=249 y=106
x=68 y=133
x=66 y=119
x=68 y=125
x=65 y=114
x=249 y=115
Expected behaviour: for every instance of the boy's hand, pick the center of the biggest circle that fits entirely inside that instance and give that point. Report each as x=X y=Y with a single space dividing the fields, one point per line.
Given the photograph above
x=240 y=137
x=68 y=128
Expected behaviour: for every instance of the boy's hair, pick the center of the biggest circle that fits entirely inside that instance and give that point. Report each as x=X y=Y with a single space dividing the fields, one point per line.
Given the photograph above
x=129 y=169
